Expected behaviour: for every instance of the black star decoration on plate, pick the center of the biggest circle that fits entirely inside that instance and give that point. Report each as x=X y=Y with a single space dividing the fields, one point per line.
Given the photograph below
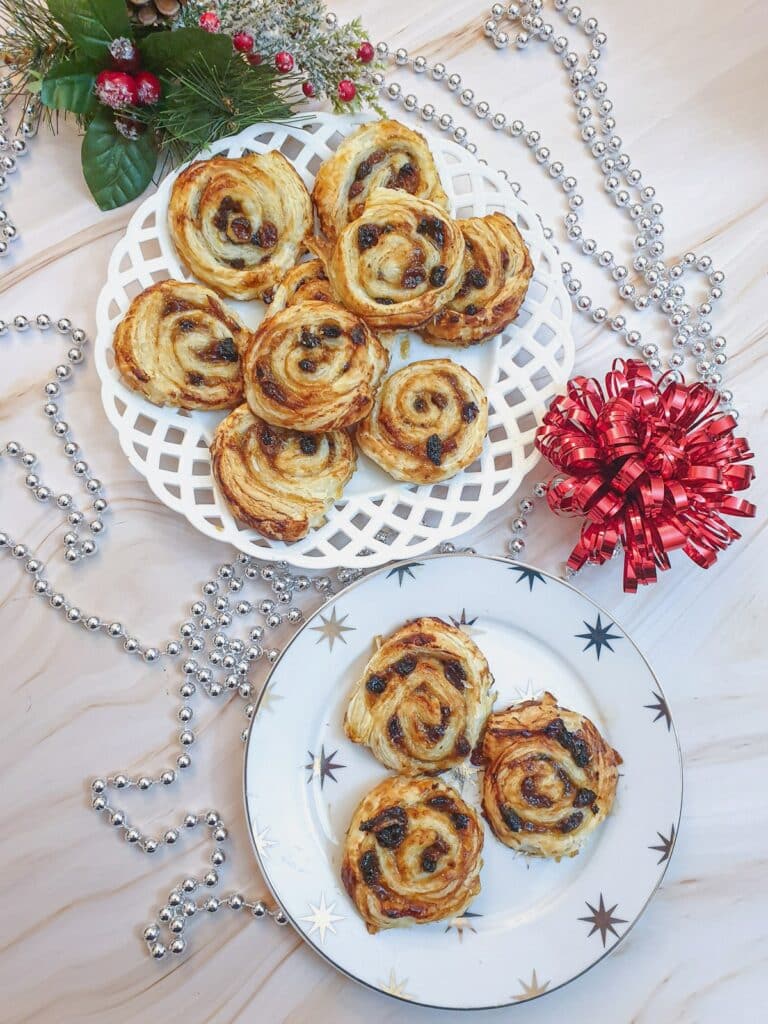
x=531 y=576
x=661 y=709
x=665 y=847
x=404 y=570
x=598 y=636
x=602 y=919
x=322 y=766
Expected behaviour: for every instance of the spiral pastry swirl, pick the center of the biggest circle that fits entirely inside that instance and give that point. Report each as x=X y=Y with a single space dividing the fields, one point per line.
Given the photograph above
x=178 y=345
x=398 y=263
x=382 y=154
x=412 y=854
x=428 y=423
x=497 y=270
x=239 y=224
x=423 y=698
x=280 y=482
x=306 y=282
x=313 y=367
x=550 y=778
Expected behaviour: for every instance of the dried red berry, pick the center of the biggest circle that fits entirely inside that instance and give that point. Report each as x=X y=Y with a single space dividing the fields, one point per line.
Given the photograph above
x=116 y=89
x=149 y=89
x=366 y=52
x=284 y=61
x=242 y=42
x=346 y=90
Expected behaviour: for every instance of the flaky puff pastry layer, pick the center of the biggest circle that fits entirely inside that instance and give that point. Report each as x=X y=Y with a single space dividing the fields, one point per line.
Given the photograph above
x=306 y=282
x=280 y=482
x=313 y=366
x=422 y=699
x=497 y=271
x=179 y=345
x=550 y=778
x=412 y=854
x=398 y=263
x=429 y=422
x=383 y=154
x=239 y=223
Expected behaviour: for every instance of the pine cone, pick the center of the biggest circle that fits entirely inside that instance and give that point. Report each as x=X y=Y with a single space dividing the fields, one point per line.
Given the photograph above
x=154 y=12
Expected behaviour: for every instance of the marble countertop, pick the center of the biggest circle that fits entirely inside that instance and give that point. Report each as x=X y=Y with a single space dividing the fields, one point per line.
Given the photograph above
x=688 y=82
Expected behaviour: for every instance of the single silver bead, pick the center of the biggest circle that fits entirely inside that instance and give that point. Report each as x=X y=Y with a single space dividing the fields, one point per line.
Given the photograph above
x=420 y=65
x=151 y=654
x=176 y=926
x=218 y=857
x=168 y=777
x=236 y=901
x=280 y=918
x=157 y=949
x=210 y=878
x=170 y=837
x=150 y=845
x=183 y=761
x=211 y=905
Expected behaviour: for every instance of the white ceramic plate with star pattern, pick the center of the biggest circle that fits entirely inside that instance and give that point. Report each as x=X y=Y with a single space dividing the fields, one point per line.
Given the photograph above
x=537 y=924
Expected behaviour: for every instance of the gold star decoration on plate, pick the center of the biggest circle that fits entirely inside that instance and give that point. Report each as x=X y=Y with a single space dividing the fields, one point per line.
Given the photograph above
x=332 y=629
x=261 y=842
x=661 y=709
x=269 y=699
x=665 y=847
x=466 y=625
x=322 y=918
x=462 y=924
x=394 y=987
x=531 y=989
x=602 y=919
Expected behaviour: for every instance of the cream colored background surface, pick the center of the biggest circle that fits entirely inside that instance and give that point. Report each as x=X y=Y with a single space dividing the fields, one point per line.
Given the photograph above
x=688 y=82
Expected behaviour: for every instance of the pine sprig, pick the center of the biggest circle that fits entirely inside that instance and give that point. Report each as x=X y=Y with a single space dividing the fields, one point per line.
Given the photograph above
x=31 y=42
x=204 y=102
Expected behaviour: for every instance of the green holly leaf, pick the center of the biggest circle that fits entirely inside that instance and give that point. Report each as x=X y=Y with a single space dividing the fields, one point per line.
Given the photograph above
x=168 y=52
x=69 y=86
x=116 y=169
x=92 y=24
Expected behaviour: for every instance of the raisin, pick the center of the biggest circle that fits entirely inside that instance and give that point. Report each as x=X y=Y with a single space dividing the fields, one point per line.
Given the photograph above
x=240 y=228
x=428 y=863
x=308 y=339
x=355 y=189
x=469 y=412
x=530 y=795
x=395 y=730
x=363 y=170
x=273 y=391
x=376 y=156
x=236 y=264
x=225 y=351
x=369 y=867
x=307 y=366
x=391 y=836
x=330 y=331
x=471 y=309
x=438 y=275
x=584 y=797
x=434 y=229
x=460 y=821
x=376 y=684
x=434 y=449
x=462 y=747
x=389 y=826
x=195 y=379
x=413 y=277
x=419 y=404
x=455 y=674
x=385 y=301
x=267 y=235
x=308 y=444
x=406 y=178
x=580 y=751
x=441 y=803
x=175 y=306
x=439 y=400
x=367 y=236
x=432 y=854
x=571 y=822
x=476 y=278
x=504 y=259
x=357 y=335
x=511 y=819
x=405 y=666
x=576 y=746
x=267 y=437
x=186 y=325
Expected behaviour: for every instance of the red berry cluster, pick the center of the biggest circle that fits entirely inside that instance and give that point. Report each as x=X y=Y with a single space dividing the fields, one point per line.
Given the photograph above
x=124 y=85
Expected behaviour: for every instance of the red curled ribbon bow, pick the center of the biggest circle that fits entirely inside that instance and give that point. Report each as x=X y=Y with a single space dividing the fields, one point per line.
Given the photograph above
x=652 y=465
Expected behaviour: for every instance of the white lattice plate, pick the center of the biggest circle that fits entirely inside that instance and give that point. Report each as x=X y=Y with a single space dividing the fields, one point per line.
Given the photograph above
x=536 y=924
x=521 y=370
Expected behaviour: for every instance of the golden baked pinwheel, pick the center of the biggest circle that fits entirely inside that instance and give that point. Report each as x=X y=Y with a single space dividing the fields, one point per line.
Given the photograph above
x=306 y=282
x=497 y=270
x=280 y=482
x=239 y=223
x=412 y=854
x=550 y=777
x=313 y=366
x=382 y=154
x=178 y=345
x=428 y=422
x=398 y=263
x=422 y=699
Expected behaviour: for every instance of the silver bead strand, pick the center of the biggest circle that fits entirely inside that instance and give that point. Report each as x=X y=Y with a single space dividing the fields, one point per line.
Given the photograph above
x=12 y=150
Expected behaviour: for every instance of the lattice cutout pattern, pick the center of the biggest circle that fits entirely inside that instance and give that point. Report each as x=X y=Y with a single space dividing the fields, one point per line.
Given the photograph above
x=521 y=370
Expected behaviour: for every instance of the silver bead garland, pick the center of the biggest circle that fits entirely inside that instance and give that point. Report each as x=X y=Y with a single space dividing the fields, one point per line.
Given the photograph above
x=214 y=661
